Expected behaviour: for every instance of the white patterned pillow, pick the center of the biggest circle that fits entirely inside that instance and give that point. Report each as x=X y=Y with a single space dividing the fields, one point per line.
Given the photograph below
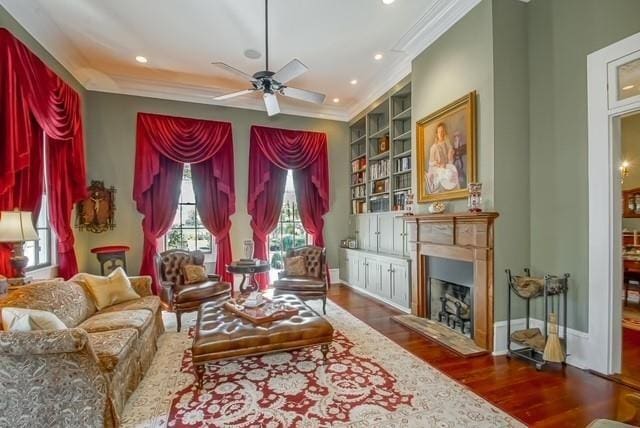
x=21 y=319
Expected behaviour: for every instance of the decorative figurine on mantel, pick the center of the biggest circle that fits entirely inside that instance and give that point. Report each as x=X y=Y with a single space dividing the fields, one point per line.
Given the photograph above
x=96 y=213
x=437 y=207
x=475 y=197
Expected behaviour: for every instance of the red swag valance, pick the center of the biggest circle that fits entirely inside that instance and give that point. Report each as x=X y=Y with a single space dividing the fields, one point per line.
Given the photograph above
x=34 y=99
x=163 y=145
x=273 y=152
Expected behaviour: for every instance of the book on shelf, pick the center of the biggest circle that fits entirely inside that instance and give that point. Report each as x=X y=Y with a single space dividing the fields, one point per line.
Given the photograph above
x=403 y=164
x=379 y=169
x=402 y=181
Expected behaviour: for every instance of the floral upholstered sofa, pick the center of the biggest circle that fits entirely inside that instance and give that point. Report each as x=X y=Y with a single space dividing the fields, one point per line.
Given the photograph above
x=82 y=375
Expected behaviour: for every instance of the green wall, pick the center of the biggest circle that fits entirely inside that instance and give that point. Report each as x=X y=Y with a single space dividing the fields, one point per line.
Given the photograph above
x=111 y=130
x=486 y=52
x=561 y=35
x=511 y=148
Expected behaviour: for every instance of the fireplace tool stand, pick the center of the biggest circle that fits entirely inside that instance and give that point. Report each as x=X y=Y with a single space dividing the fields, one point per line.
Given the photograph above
x=553 y=291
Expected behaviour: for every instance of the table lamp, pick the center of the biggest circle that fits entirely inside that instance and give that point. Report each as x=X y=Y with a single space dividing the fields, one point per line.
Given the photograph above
x=16 y=227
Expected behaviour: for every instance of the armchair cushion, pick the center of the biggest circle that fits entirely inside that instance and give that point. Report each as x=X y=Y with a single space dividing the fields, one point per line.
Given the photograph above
x=113 y=346
x=194 y=274
x=301 y=283
x=202 y=291
x=296 y=265
x=314 y=258
x=138 y=319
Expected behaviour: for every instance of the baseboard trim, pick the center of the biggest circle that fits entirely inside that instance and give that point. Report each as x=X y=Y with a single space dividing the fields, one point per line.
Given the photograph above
x=577 y=341
x=334 y=276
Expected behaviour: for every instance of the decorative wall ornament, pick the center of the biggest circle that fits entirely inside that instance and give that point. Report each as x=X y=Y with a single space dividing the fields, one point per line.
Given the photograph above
x=96 y=213
x=446 y=151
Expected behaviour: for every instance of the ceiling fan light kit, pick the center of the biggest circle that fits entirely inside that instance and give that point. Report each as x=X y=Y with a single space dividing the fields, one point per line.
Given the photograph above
x=272 y=83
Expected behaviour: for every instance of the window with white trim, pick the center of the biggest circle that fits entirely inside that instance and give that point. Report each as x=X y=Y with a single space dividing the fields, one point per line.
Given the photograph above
x=187 y=231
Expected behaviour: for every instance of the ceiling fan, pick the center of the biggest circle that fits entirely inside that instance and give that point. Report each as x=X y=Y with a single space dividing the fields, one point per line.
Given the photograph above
x=271 y=83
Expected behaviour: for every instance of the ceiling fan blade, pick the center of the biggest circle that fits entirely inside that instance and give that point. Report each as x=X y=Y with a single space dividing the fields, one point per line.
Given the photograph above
x=271 y=103
x=304 y=95
x=233 y=94
x=233 y=70
x=290 y=71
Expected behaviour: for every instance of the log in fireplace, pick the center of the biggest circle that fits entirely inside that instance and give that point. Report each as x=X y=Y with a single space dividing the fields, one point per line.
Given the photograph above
x=457 y=236
x=452 y=305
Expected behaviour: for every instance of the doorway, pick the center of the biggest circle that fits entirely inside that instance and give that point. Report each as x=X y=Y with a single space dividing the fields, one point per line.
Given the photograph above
x=629 y=169
x=613 y=75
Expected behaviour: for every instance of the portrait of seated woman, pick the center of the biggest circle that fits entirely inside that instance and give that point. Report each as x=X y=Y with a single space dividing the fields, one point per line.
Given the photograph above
x=442 y=175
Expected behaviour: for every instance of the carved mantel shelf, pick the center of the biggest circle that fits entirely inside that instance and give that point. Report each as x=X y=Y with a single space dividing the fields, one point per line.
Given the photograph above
x=460 y=236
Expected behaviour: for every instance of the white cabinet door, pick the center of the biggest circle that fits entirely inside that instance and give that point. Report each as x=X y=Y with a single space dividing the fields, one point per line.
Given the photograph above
x=364 y=237
x=354 y=269
x=343 y=264
x=399 y=237
x=400 y=289
x=385 y=233
x=362 y=272
x=374 y=273
x=386 y=283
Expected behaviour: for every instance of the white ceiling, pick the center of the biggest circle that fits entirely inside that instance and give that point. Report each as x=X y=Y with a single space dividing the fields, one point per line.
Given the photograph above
x=98 y=40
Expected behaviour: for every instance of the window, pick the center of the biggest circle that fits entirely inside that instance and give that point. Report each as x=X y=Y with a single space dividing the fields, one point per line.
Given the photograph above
x=40 y=252
x=187 y=231
x=289 y=233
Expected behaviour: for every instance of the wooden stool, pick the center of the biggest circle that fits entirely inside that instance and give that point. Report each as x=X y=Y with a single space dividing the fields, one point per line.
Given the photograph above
x=115 y=254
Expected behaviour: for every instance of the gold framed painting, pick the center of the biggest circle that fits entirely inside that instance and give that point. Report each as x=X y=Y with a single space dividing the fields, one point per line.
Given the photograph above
x=447 y=151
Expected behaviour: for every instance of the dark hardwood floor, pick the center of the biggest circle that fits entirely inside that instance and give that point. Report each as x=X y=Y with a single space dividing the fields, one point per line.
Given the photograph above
x=555 y=397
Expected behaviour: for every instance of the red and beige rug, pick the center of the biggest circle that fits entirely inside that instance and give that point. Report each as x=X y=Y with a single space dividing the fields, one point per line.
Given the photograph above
x=367 y=380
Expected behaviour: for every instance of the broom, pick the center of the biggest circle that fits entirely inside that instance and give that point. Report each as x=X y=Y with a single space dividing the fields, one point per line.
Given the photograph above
x=553 y=349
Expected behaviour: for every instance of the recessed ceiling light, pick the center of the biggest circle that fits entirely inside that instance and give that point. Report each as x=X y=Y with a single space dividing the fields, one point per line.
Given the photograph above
x=377 y=56
x=141 y=59
x=388 y=1
x=252 y=54
x=626 y=88
x=336 y=100
x=354 y=82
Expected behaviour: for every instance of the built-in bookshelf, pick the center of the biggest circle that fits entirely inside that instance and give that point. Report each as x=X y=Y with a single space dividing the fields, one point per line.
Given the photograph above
x=381 y=157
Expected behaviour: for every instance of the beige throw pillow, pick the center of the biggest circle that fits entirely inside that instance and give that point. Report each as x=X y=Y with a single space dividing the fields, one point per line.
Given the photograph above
x=296 y=266
x=22 y=319
x=194 y=273
x=110 y=290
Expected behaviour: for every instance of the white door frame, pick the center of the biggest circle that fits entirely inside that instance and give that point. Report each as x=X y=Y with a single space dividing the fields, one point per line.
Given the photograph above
x=605 y=213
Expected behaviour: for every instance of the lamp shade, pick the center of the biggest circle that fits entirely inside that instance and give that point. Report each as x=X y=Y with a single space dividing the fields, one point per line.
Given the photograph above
x=17 y=226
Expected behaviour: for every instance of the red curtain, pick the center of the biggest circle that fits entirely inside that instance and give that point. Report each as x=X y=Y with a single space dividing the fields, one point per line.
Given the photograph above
x=164 y=144
x=35 y=102
x=274 y=151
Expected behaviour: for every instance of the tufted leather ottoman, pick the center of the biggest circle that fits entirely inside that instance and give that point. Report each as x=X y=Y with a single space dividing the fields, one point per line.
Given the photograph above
x=221 y=334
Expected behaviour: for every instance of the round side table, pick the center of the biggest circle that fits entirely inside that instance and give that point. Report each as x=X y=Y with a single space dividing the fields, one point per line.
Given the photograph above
x=248 y=270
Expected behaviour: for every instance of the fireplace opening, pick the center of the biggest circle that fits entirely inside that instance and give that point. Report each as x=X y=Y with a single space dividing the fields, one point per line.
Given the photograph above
x=451 y=304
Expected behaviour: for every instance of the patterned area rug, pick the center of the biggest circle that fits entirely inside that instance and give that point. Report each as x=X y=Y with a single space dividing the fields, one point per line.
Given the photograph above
x=366 y=381
x=457 y=342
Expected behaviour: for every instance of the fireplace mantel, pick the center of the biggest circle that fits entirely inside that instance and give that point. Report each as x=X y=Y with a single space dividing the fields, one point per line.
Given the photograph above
x=458 y=236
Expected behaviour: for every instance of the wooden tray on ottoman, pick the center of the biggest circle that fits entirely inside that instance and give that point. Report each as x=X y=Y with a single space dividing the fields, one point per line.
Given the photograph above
x=262 y=314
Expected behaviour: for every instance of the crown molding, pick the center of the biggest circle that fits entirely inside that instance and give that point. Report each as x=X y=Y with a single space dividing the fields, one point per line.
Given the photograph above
x=433 y=24
x=41 y=27
x=427 y=29
x=175 y=91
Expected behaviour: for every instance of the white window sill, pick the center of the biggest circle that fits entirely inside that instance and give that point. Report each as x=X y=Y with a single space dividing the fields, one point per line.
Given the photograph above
x=47 y=272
